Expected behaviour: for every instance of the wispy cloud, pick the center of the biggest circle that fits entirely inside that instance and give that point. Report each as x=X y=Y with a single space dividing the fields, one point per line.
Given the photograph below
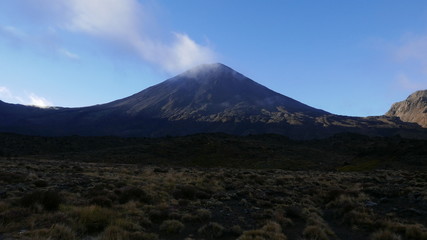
x=68 y=54
x=28 y=99
x=12 y=32
x=5 y=93
x=121 y=24
x=413 y=49
x=406 y=83
x=38 y=101
x=410 y=53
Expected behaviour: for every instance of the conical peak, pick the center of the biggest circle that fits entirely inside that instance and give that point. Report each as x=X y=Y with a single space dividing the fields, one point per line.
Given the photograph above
x=211 y=71
x=213 y=67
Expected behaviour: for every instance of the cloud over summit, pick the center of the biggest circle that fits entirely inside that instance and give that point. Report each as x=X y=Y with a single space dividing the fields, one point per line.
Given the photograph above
x=29 y=99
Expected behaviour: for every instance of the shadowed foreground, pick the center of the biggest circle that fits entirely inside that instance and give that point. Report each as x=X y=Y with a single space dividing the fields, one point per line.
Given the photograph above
x=75 y=200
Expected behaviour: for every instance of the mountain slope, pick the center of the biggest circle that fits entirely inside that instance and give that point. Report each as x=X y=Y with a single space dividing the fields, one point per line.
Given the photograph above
x=209 y=98
x=413 y=109
x=212 y=93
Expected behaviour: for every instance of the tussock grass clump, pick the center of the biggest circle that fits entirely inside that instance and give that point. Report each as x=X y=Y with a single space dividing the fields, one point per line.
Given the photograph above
x=211 y=230
x=416 y=231
x=203 y=214
x=171 y=226
x=56 y=232
x=343 y=204
x=143 y=236
x=127 y=225
x=270 y=231
x=102 y=201
x=62 y=232
x=187 y=217
x=359 y=217
x=315 y=232
x=114 y=233
x=385 y=235
x=94 y=218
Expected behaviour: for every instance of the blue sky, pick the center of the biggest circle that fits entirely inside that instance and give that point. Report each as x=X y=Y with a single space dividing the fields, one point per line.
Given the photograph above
x=346 y=57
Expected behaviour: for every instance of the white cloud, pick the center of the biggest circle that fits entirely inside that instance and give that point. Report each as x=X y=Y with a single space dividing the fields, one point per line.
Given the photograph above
x=180 y=55
x=68 y=54
x=111 y=18
x=29 y=99
x=38 y=101
x=121 y=24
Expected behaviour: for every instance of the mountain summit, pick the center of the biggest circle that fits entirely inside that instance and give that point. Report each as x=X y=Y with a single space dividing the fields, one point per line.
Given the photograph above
x=413 y=109
x=212 y=92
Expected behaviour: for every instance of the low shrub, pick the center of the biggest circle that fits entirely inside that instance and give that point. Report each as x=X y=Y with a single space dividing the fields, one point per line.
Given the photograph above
x=56 y=232
x=385 y=235
x=203 y=214
x=143 y=236
x=416 y=231
x=101 y=201
x=211 y=230
x=94 y=218
x=114 y=233
x=270 y=231
x=171 y=226
x=61 y=232
x=315 y=232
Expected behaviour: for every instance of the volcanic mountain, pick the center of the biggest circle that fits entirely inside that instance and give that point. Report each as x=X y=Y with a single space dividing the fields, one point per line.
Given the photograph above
x=212 y=93
x=413 y=109
x=208 y=98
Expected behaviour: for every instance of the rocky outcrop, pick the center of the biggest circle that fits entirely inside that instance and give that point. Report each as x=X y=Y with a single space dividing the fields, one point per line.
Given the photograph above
x=413 y=109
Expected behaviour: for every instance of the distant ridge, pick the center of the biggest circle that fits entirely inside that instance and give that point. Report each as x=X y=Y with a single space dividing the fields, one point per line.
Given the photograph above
x=206 y=99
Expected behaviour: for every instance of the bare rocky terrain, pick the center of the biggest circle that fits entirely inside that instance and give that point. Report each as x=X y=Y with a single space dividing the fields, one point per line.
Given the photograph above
x=413 y=109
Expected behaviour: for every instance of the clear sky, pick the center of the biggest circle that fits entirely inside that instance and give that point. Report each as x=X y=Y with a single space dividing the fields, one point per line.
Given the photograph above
x=346 y=57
